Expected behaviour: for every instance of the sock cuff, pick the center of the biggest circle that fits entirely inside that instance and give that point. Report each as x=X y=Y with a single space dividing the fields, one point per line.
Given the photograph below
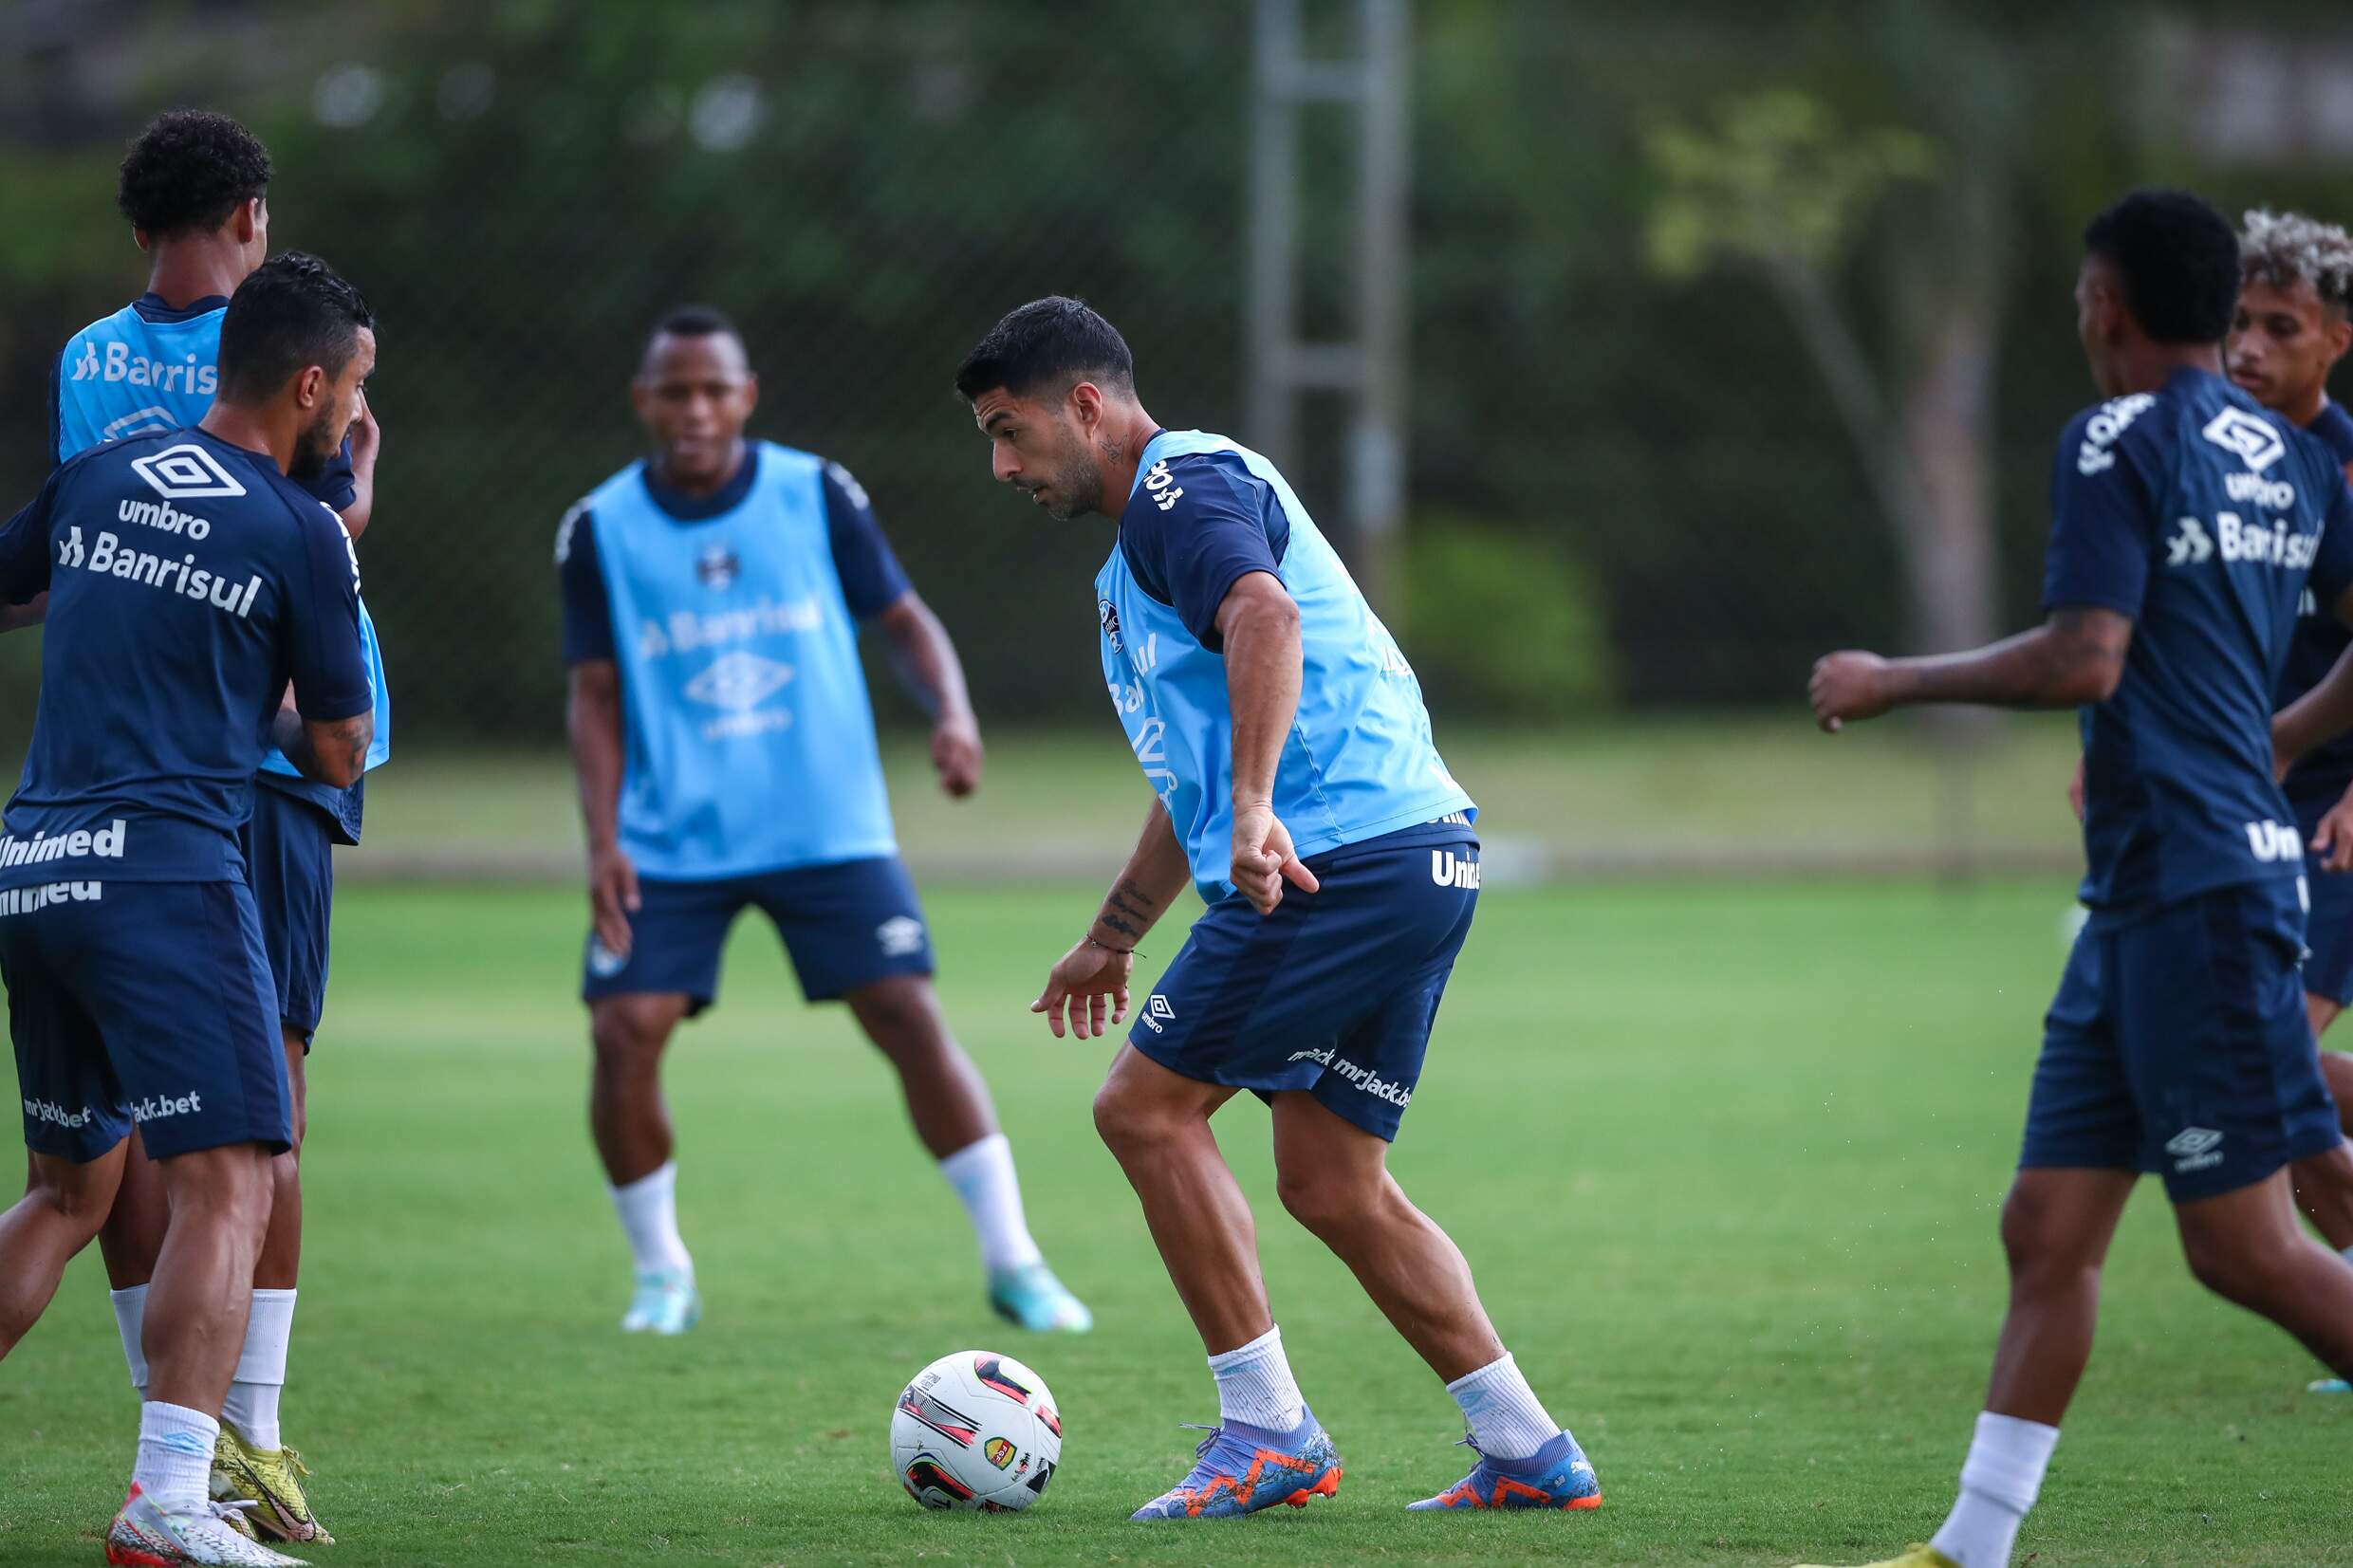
x=2007 y=1461
x=660 y=1178
x=1269 y=1342
x=132 y=1295
x=981 y=1151
x=177 y=1427
x=1501 y=1366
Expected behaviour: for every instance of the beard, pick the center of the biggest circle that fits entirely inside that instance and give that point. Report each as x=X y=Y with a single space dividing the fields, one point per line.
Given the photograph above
x=316 y=448
x=1075 y=488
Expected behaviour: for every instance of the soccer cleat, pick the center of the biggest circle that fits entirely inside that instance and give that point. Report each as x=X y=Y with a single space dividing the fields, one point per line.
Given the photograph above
x=665 y=1303
x=1555 y=1476
x=1913 y=1556
x=1240 y=1469
x=1031 y=1297
x=2329 y=1384
x=270 y=1480
x=145 y=1534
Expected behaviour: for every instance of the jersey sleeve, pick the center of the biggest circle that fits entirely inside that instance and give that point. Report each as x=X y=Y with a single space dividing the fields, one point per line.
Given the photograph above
x=588 y=610
x=1190 y=541
x=2103 y=528
x=2332 y=563
x=872 y=579
x=25 y=549
x=335 y=484
x=322 y=649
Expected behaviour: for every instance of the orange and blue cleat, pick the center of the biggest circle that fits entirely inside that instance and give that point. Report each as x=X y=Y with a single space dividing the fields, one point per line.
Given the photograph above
x=1555 y=1476
x=1240 y=1469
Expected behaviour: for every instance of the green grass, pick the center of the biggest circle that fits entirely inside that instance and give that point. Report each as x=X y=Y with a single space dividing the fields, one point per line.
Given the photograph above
x=1712 y=792
x=1727 y=1161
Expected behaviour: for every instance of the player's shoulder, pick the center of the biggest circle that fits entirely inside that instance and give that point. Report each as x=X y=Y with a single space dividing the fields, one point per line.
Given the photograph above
x=2138 y=425
x=1193 y=474
x=2333 y=428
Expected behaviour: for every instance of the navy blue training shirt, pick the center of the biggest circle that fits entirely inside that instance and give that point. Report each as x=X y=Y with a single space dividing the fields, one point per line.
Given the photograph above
x=1226 y=523
x=872 y=579
x=2322 y=775
x=2198 y=514
x=189 y=581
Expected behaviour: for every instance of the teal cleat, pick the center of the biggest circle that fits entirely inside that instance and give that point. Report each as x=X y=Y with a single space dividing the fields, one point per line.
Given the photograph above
x=665 y=1303
x=2329 y=1384
x=1033 y=1299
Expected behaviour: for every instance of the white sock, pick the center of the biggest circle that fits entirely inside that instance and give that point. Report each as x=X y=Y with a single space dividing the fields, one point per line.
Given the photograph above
x=982 y=1174
x=131 y=1322
x=649 y=1216
x=252 y=1403
x=1998 y=1486
x=1254 y=1384
x=174 y=1455
x=1501 y=1411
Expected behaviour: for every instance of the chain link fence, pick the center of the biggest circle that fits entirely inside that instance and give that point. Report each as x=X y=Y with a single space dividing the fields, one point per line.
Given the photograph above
x=1629 y=486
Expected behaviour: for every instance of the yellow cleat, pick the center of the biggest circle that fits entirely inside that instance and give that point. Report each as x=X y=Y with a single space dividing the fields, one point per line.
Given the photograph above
x=1913 y=1556
x=270 y=1480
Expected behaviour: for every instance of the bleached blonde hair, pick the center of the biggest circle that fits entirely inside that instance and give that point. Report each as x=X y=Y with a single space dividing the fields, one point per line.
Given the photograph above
x=2285 y=247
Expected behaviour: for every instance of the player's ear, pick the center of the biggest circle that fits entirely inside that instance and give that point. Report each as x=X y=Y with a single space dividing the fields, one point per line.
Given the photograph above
x=640 y=395
x=1087 y=402
x=751 y=393
x=310 y=386
x=2339 y=336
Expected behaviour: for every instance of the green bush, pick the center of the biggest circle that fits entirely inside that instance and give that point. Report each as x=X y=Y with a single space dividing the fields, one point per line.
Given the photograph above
x=1498 y=621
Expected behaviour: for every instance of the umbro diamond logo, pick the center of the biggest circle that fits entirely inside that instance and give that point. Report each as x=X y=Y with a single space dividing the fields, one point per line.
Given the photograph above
x=2194 y=1149
x=740 y=681
x=2250 y=439
x=185 y=471
x=1158 y=1014
x=902 y=937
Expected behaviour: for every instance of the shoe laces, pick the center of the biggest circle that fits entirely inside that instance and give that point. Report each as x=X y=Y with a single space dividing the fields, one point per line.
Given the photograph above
x=1201 y=1450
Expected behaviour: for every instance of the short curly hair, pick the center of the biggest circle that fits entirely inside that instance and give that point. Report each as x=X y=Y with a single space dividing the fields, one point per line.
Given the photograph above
x=189 y=170
x=2282 y=248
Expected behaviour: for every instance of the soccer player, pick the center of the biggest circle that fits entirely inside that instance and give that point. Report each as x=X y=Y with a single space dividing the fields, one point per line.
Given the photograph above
x=1301 y=794
x=726 y=751
x=189 y=577
x=2185 y=521
x=195 y=187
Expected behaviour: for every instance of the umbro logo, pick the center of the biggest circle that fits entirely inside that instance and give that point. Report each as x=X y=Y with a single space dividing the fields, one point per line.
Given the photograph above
x=1158 y=1014
x=2194 y=1149
x=2250 y=439
x=740 y=681
x=185 y=471
x=902 y=937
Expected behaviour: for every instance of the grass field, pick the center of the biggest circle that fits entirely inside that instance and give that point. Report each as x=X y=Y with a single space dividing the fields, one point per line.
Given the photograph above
x=1727 y=1161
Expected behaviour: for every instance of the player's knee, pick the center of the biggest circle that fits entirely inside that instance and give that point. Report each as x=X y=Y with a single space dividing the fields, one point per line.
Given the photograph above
x=1130 y=1127
x=2250 y=1270
x=625 y=1036
x=901 y=1018
x=69 y=1200
x=2034 y=1241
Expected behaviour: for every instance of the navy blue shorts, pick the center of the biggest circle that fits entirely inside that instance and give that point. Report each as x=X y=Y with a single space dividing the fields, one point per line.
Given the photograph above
x=846 y=926
x=2178 y=1043
x=1334 y=992
x=146 y=1003
x=289 y=858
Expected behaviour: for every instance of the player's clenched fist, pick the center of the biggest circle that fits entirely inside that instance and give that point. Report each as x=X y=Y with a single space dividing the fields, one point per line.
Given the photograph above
x=1092 y=980
x=1848 y=686
x=612 y=898
x=957 y=753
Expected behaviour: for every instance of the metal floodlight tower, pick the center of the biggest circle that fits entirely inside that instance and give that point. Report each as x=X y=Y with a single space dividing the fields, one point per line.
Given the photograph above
x=1368 y=368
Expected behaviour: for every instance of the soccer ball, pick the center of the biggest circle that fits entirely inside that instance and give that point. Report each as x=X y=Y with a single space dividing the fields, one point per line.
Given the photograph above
x=976 y=1431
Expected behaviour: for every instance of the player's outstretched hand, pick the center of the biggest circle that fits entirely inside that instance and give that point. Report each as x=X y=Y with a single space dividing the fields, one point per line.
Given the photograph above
x=1263 y=858
x=1092 y=982
x=2333 y=840
x=612 y=898
x=957 y=752
x=1848 y=686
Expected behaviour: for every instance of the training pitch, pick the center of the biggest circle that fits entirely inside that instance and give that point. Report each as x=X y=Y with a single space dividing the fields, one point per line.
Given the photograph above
x=1726 y=1161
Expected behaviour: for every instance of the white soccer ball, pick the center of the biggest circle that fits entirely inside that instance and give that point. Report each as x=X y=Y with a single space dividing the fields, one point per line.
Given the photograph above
x=976 y=1431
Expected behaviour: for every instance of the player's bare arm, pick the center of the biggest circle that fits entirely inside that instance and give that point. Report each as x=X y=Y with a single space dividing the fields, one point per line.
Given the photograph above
x=928 y=667
x=592 y=717
x=2074 y=658
x=1091 y=979
x=333 y=751
x=1259 y=626
x=367 y=440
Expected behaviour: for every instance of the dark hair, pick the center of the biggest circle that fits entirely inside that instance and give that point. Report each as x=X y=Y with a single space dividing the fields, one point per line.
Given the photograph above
x=2178 y=260
x=290 y=313
x=1053 y=339
x=694 y=321
x=188 y=171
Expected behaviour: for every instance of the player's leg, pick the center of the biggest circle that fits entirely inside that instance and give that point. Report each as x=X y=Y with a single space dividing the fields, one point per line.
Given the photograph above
x=188 y=1019
x=855 y=931
x=288 y=848
x=635 y=1004
x=2246 y=1246
x=1267 y=1447
x=57 y=1217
